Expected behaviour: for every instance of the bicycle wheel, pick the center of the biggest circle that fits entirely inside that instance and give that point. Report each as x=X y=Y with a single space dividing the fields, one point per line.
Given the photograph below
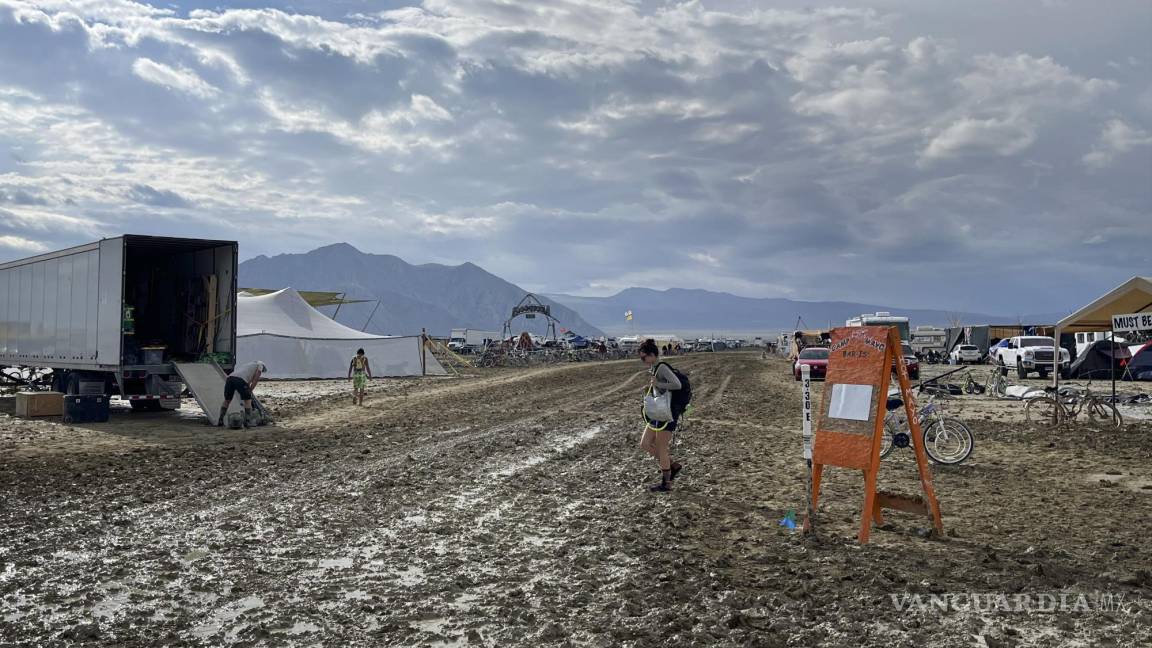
x=1103 y=413
x=1044 y=410
x=948 y=441
x=891 y=427
x=999 y=388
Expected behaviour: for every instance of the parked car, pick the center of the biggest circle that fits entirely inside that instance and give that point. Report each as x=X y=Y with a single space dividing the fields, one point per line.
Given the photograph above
x=814 y=357
x=910 y=361
x=1030 y=353
x=964 y=353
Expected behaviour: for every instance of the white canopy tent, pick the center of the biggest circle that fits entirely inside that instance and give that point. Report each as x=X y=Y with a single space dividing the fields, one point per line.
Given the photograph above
x=297 y=341
x=1132 y=296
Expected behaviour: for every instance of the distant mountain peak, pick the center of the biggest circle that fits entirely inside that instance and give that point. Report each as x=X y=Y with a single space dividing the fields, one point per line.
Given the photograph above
x=431 y=296
x=342 y=248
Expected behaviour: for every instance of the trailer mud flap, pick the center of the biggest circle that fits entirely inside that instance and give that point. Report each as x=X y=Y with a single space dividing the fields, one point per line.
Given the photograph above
x=206 y=382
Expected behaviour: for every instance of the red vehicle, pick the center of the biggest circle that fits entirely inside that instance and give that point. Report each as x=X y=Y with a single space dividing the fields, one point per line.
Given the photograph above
x=815 y=357
x=911 y=361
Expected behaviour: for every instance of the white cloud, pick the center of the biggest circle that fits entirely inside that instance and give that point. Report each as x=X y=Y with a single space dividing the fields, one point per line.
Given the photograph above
x=1117 y=138
x=22 y=244
x=981 y=136
x=183 y=79
x=396 y=130
x=704 y=258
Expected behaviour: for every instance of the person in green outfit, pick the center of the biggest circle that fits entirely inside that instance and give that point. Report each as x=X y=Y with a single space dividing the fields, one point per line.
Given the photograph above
x=359 y=372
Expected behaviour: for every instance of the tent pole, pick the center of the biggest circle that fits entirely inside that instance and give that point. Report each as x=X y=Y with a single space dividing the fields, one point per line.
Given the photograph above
x=1056 y=361
x=423 y=352
x=369 y=317
x=338 y=305
x=1112 y=348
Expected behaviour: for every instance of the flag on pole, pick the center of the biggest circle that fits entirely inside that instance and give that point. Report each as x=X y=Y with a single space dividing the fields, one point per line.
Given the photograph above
x=628 y=316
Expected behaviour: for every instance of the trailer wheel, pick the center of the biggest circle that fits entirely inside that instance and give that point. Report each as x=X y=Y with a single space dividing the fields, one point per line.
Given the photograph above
x=71 y=383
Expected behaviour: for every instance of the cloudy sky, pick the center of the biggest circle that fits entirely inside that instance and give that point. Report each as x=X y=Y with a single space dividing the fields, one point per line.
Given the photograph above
x=979 y=155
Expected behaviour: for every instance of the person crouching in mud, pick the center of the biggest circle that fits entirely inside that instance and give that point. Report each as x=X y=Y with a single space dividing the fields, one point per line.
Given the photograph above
x=657 y=437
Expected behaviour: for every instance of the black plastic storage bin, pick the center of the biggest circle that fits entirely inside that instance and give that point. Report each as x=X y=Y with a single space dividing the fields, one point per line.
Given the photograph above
x=85 y=409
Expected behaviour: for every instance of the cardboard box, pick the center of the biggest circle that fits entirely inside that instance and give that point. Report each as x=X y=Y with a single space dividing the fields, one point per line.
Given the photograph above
x=39 y=404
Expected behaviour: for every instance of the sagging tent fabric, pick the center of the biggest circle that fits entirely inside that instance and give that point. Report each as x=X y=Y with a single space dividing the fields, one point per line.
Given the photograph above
x=1100 y=360
x=975 y=335
x=297 y=341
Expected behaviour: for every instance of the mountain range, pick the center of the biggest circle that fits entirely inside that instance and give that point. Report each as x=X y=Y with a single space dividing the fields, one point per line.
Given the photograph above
x=411 y=297
x=441 y=297
x=700 y=312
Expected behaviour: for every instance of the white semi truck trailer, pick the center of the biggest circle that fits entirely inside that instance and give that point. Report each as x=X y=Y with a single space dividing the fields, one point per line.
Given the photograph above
x=113 y=317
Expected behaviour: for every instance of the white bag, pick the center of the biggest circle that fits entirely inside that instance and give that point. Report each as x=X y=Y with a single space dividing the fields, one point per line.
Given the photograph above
x=658 y=408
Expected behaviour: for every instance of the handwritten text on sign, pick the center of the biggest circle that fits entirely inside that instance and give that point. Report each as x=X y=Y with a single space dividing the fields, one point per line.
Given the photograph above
x=806 y=376
x=1133 y=322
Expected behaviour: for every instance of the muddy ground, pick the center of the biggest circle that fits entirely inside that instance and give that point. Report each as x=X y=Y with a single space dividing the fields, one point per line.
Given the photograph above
x=509 y=508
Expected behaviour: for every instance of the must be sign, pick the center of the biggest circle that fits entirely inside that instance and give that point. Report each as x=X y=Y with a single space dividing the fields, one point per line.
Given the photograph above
x=1132 y=322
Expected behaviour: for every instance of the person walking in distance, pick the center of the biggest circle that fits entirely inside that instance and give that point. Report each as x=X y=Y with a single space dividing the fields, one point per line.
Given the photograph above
x=242 y=381
x=657 y=439
x=359 y=372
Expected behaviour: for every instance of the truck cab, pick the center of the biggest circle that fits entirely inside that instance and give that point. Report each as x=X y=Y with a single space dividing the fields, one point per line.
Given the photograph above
x=1028 y=354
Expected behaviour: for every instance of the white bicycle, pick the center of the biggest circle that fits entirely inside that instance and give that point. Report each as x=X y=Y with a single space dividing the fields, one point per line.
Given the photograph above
x=946 y=440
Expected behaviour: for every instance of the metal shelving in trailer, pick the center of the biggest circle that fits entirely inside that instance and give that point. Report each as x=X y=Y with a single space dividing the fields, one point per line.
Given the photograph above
x=111 y=317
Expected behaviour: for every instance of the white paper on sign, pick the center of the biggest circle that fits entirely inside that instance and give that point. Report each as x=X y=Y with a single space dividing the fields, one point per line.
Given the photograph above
x=853 y=402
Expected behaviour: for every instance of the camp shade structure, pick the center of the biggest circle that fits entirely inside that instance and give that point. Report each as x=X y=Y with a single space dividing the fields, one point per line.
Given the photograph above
x=297 y=341
x=315 y=298
x=1132 y=296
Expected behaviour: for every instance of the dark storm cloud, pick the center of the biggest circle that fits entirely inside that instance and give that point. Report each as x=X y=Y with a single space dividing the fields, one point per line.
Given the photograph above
x=590 y=145
x=147 y=195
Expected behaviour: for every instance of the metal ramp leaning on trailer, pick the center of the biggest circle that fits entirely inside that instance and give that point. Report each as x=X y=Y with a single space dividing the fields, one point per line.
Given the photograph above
x=206 y=382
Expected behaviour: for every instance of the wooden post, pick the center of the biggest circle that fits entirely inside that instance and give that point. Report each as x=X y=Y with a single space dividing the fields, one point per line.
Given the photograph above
x=423 y=352
x=917 y=435
x=850 y=429
x=1112 y=355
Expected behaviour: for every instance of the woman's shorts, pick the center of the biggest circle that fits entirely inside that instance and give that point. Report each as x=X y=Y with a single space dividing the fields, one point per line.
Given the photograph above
x=670 y=426
x=359 y=381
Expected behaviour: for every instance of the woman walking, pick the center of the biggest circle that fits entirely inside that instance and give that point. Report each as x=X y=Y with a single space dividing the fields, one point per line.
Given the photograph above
x=657 y=437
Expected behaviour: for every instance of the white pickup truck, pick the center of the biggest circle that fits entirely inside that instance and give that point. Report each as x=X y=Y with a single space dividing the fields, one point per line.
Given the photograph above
x=1028 y=353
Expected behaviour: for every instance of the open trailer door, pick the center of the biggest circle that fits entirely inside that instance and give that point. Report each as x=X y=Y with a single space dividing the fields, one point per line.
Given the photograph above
x=206 y=382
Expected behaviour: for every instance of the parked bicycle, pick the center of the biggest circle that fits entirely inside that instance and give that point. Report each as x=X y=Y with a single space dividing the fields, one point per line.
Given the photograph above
x=996 y=385
x=1056 y=409
x=946 y=440
x=971 y=386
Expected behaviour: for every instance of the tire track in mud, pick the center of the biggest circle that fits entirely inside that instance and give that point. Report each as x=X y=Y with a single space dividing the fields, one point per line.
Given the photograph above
x=715 y=399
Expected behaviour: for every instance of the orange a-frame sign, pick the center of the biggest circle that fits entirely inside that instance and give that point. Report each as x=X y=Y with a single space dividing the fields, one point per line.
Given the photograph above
x=850 y=421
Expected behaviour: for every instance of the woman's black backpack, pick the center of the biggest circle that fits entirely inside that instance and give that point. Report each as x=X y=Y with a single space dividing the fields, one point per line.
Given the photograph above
x=680 y=397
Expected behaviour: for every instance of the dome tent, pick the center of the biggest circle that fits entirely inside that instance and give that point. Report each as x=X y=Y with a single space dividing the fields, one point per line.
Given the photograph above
x=1102 y=359
x=297 y=341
